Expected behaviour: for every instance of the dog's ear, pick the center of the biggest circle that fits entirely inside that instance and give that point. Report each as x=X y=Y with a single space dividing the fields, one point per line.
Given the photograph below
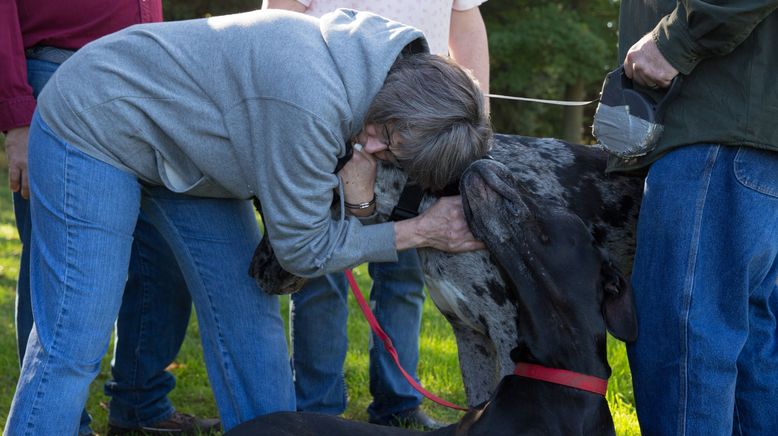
x=618 y=305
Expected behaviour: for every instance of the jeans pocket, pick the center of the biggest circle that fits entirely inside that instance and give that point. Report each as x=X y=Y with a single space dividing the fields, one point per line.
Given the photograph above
x=39 y=73
x=758 y=170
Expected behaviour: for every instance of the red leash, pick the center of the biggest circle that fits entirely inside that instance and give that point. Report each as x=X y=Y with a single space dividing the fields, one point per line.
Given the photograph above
x=388 y=343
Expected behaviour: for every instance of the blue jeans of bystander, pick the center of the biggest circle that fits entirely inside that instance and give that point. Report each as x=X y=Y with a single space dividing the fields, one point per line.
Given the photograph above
x=151 y=327
x=705 y=279
x=319 y=340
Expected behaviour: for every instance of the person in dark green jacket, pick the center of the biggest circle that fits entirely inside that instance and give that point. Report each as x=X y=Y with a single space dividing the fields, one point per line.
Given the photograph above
x=706 y=267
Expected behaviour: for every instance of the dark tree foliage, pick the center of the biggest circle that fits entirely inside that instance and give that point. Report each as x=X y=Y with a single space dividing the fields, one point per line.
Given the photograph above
x=559 y=49
x=552 y=49
x=187 y=9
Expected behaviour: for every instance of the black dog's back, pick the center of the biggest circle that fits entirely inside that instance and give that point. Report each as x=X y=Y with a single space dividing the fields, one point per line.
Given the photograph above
x=574 y=176
x=317 y=424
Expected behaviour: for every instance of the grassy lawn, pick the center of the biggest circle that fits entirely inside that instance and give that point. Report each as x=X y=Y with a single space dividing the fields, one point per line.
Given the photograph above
x=438 y=370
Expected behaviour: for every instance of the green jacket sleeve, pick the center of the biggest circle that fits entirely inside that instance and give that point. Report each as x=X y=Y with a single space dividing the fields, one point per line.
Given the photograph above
x=697 y=30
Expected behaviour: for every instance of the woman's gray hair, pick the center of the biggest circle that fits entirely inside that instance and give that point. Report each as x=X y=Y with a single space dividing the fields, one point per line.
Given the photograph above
x=436 y=110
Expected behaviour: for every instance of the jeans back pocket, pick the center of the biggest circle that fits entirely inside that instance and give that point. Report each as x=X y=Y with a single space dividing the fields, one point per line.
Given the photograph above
x=757 y=169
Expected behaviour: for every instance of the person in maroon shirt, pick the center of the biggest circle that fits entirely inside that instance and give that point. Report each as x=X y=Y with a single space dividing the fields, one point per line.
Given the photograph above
x=35 y=37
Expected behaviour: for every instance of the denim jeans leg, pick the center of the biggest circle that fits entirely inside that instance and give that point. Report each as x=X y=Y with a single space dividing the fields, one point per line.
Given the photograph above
x=397 y=297
x=704 y=279
x=241 y=328
x=318 y=330
x=149 y=332
x=83 y=215
x=24 y=319
x=38 y=74
x=755 y=174
x=756 y=397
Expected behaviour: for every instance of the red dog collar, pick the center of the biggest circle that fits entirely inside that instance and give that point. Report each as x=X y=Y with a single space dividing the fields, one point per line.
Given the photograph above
x=562 y=377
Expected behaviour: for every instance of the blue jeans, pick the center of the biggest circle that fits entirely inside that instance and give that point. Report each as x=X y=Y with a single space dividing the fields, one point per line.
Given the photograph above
x=705 y=281
x=151 y=327
x=84 y=214
x=148 y=335
x=319 y=340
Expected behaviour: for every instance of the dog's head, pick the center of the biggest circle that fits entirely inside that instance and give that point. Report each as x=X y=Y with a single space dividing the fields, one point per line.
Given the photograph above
x=568 y=289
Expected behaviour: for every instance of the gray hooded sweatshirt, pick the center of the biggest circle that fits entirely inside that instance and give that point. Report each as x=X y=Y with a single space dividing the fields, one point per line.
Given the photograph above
x=255 y=104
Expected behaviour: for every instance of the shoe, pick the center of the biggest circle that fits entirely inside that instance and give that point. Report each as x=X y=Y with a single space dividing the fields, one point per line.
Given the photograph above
x=414 y=418
x=178 y=424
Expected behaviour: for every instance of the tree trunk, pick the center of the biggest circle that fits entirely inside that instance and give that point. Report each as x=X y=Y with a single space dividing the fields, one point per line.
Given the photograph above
x=572 y=124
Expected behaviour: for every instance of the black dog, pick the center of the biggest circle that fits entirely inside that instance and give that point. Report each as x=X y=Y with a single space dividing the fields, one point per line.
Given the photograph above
x=565 y=290
x=468 y=288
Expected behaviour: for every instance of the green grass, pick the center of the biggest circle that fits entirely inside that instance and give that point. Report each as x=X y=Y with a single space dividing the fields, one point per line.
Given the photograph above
x=438 y=370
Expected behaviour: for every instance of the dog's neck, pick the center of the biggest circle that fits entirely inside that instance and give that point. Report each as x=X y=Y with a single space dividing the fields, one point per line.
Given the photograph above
x=560 y=322
x=546 y=342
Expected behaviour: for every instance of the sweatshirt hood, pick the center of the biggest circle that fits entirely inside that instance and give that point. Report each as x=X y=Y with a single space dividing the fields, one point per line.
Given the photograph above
x=357 y=43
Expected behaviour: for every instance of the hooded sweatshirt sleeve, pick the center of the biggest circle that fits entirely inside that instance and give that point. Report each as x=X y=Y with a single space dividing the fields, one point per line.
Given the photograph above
x=304 y=97
x=696 y=30
x=311 y=121
x=296 y=187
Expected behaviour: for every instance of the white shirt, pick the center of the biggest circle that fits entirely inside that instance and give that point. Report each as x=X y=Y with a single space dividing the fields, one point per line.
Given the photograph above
x=433 y=17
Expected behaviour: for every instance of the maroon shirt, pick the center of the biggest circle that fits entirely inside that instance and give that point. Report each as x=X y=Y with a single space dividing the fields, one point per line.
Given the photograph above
x=68 y=24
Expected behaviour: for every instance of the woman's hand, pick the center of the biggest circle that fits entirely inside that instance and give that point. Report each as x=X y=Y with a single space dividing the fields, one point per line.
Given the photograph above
x=358 y=177
x=442 y=226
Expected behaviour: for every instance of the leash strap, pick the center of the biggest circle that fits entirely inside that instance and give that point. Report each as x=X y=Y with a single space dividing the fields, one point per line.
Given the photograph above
x=408 y=205
x=562 y=377
x=376 y=328
x=540 y=100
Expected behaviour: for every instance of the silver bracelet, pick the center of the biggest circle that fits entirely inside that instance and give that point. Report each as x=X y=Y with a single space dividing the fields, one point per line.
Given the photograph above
x=359 y=205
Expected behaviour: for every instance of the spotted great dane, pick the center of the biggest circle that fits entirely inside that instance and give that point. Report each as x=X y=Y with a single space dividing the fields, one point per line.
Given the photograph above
x=472 y=293
x=558 y=232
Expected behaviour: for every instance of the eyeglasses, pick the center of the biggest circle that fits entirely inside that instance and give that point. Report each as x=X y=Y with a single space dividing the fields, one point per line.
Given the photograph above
x=388 y=141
